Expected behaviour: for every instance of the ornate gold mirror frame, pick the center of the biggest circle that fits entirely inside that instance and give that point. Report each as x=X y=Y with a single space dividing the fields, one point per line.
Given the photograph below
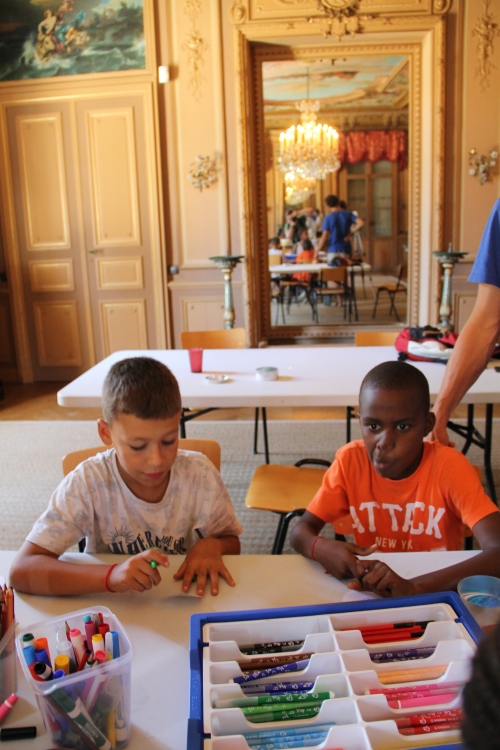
x=289 y=29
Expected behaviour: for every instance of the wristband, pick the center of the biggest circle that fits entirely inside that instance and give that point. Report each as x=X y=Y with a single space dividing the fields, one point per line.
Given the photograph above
x=107 y=576
x=312 y=547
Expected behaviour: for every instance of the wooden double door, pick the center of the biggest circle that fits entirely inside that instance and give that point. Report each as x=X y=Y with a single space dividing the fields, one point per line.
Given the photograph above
x=83 y=228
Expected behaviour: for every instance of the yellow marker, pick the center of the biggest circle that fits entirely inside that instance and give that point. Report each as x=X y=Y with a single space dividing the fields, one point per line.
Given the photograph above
x=111 y=733
x=61 y=662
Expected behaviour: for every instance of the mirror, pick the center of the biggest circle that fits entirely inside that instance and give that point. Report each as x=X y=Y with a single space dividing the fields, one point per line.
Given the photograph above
x=366 y=99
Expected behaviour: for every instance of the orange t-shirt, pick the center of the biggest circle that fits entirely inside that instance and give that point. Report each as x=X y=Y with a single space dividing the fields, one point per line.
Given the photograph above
x=426 y=511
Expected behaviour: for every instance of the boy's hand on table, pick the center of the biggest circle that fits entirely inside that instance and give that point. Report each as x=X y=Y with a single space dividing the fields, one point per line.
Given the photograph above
x=378 y=577
x=136 y=573
x=204 y=560
x=340 y=558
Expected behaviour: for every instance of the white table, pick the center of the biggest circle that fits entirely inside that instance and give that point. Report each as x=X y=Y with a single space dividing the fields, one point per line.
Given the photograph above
x=308 y=376
x=157 y=624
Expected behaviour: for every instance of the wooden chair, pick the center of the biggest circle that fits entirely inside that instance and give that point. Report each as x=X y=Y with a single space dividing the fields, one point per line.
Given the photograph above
x=232 y=338
x=392 y=290
x=376 y=338
x=344 y=291
x=210 y=448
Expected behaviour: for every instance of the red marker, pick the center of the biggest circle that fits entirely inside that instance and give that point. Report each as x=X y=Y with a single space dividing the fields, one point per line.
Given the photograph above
x=428 y=700
x=7 y=705
x=84 y=659
x=409 y=694
x=439 y=717
x=452 y=726
x=389 y=626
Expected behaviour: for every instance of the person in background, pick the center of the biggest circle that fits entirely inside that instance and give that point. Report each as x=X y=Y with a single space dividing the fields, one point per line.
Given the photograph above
x=401 y=494
x=337 y=229
x=299 y=247
x=313 y=224
x=274 y=243
x=294 y=225
x=481 y=332
x=307 y=255
x=343 y=205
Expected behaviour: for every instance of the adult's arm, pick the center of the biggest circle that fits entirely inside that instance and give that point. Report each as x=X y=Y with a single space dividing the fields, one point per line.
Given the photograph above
x=323 y=240
x=470 y=356
x=357 y=225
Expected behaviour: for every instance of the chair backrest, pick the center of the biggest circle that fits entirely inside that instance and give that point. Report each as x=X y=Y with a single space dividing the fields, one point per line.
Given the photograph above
x=231 y=338
x=275 y=257
x=376 y=338
x=337 y=274
x=210 y=448
x=400 y=273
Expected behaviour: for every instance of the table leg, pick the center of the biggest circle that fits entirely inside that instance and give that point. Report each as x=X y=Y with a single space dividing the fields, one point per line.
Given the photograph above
x=488 y=435
x=473 y=437
x=264 y=427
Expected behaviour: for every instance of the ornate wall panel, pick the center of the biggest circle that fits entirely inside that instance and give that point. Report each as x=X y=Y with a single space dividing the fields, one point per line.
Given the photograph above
x=119 y=273
x=124 y=325
x=43 y=176
x=57 y=336
x=7 y=356
x=202 y=313
x=111 y=137
x=52 y=276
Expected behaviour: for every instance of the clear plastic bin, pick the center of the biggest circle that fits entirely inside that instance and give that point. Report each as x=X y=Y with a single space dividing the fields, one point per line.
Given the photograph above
x=8 y=667
x=87 y=708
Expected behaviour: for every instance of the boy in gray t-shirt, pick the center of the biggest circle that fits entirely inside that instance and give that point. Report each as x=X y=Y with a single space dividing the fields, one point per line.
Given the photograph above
x=141 y=497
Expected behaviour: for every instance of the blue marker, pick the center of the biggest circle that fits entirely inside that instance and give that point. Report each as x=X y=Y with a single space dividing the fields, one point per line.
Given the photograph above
x=59 y=673
x=42 y=656
x=312 y=740
x=116 y=644
x=277 y=687
x=281 y=669
x=277 y=734
x=29 y=654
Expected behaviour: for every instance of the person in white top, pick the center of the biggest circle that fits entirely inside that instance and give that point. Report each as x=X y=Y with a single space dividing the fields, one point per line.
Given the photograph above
x=142 y=497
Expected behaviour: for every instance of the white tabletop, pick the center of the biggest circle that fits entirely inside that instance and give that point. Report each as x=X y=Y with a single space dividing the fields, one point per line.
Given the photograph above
x=308 y=376
x=157 y=623
x=286 y=268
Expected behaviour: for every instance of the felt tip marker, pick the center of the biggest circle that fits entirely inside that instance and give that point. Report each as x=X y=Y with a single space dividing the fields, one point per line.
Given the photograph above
x=271 y=661
x=416 y=688
x=9 y=703
x=28 y=640
x=258 y=710
x=451 y=727
x=406 y=696
x=411 y=675
x=42 y=643
x=265 y=700
x=287 y=743
x=77 y=712
x=261 y=674
x=402 y=655
x=17 y=733
x=439 y=717
x=85 y=657
x=276 y=714
x=388 y=626
x=59 y=673
x=97 y=643
x=428 y=700
x=77 y=643
x=29 y=655
x=62 y=662
x=276 y=687
x=276 y=647
x=256 y=738
x=116 y=644
x=41 y=655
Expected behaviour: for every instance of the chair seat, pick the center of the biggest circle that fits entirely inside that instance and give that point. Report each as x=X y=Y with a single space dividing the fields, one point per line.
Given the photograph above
x=266 y=488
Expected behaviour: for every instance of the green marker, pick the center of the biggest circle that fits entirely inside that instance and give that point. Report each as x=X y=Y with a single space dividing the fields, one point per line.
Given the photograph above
x=280 y=714
x=77 y=711
x=266 y=700
x=153 y=564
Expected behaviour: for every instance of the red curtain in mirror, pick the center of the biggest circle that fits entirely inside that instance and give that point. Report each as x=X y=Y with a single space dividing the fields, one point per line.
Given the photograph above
x=374 y=145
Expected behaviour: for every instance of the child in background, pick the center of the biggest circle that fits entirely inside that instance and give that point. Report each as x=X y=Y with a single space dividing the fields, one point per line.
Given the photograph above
x=306 y=256
x=142 y=497
x=402 y=494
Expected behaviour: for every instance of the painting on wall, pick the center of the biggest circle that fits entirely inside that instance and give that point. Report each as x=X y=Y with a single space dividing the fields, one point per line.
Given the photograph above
x=47 y=38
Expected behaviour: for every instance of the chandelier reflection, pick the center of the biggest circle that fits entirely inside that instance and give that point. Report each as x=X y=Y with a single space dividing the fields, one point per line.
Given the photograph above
x=298 y=188
x=309 y=150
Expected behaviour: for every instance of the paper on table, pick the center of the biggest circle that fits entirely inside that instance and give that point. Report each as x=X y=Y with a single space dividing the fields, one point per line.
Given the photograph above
x=359 y=596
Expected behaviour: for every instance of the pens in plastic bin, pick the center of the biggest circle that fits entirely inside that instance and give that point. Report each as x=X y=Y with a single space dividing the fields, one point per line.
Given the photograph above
x=254 y=738
x=427 y=700
x=276 y=687
x=271 y=661
x=403 y=655
x=415 y=688
x=279 y=714
x=6 y=706
x=259 y=675
x=275 y=647
x=265 y=700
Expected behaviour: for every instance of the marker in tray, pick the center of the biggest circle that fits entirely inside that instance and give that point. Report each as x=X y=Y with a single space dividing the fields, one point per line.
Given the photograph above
x=276 y=647
x=288 y=738
x=265 y=700
x=438 y=717
x=281 y=714
x=412 y=675
x=261 y=674
x=409 y=654
x=431 y=699
x=452 y=726
x=271 y=661
x=415 y=688
x=287 y=744
x=388 y=626
x=276 y=687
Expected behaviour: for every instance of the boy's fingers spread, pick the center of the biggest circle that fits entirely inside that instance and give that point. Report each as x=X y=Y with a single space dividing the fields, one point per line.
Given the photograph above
x=224 y=572
x=200 y=583
x=181 y=571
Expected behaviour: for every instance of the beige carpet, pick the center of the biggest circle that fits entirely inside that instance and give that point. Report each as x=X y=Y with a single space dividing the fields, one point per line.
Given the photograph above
x=32 y=451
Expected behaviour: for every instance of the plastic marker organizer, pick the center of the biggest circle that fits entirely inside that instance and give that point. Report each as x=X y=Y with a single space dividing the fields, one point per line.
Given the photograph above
x=349 y=693
x=92 y=706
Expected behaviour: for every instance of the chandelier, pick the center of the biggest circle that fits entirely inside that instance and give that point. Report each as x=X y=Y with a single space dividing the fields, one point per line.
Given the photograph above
x=309 y=150
x=298 y=188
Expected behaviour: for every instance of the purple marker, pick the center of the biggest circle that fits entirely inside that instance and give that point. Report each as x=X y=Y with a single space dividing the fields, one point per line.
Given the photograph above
x=297 y=666
x=277 y=687
x=408 y=654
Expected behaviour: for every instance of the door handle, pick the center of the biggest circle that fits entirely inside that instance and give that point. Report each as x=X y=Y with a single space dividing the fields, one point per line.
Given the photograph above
x=94 y=250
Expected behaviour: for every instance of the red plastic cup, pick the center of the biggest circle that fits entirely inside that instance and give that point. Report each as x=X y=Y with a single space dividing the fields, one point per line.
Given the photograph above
x=195 y=359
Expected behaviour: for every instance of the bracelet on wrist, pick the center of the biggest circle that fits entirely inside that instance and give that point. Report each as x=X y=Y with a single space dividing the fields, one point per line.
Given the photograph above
x=106 y=577
x=313 y=546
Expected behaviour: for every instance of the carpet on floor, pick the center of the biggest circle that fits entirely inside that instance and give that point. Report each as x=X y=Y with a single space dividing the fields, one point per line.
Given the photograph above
x=32 y=451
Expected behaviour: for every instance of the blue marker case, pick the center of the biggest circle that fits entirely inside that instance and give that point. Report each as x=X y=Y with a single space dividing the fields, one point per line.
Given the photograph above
x=341 y=664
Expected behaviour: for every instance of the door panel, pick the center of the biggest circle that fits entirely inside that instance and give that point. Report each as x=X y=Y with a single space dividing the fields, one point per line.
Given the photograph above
x=121 y=237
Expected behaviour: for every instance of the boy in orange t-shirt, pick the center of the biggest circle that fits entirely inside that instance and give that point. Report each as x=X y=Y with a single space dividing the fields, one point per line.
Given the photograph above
x=402 y=494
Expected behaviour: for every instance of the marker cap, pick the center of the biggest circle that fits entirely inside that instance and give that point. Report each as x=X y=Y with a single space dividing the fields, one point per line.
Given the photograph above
x=29 y=654
x=17 y=733
x=28 y=640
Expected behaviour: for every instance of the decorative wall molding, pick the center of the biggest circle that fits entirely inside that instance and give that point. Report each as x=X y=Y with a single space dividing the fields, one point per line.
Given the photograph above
x=203 y=172
x=485 y=30
x=195 y=46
